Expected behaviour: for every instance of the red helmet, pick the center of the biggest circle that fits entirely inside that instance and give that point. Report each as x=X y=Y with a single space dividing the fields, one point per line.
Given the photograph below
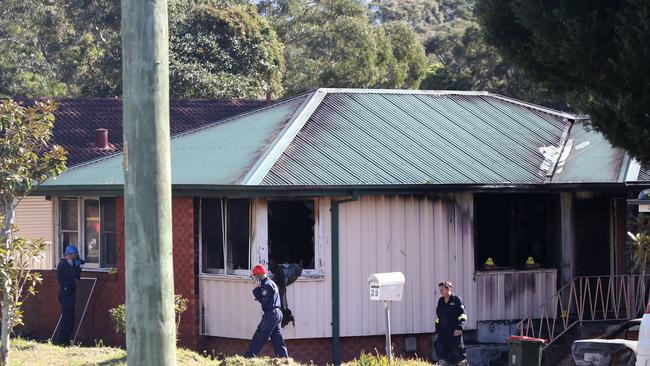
x=259 y=270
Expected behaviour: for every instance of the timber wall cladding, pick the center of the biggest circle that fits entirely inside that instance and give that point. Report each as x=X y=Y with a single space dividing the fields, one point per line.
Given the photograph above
x=514 y=295
x=34 y=220
x=428 y=239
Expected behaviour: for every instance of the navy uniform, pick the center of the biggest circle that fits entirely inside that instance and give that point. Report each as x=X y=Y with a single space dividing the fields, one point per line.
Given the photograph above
x=68 y=272
x=450 y=316
x=269 y=297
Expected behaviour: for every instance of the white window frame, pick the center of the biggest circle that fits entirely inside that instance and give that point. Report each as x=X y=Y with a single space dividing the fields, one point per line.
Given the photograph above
x=81 y=235
x=224 y=233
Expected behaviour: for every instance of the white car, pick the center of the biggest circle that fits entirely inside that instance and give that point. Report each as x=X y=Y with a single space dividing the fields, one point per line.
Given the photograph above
x=643 y=348
x=616 y=347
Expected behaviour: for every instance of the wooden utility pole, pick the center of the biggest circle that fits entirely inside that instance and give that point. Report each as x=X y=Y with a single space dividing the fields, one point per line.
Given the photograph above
x=151 y=332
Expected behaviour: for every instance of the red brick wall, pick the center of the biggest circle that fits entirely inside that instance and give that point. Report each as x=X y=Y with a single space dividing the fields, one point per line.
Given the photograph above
x=319 y=350
x=42 y=311
x=184 y=268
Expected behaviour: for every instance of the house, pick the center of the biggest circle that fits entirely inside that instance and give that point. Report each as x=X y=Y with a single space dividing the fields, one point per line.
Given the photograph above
x=91 y=128
x=353 y=182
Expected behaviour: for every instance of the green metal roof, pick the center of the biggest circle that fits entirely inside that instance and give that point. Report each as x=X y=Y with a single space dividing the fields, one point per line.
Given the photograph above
x=353 y=137
x=220 y=154
x=383 y=137
x=588 y=157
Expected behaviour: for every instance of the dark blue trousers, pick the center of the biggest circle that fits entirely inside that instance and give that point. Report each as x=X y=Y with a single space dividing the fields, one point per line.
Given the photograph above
x=449 y=347
x=66 y=326
x=268 y=327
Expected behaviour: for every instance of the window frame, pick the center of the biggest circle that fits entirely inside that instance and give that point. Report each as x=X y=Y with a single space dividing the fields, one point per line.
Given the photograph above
x=225 y=271
x=80 y=200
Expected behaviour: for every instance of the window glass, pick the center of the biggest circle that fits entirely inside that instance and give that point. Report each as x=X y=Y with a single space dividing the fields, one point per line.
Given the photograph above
x=91 y=231
x=212 y=234
x=238 y=234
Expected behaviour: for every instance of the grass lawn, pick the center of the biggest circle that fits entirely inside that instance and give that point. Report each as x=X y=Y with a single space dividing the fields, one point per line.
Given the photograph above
x=32 y=353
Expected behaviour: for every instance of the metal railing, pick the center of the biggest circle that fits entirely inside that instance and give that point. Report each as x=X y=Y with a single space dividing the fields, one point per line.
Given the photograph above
x=586 y=299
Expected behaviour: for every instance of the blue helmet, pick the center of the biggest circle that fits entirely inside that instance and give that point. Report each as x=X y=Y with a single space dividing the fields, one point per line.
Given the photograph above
x=70 y=249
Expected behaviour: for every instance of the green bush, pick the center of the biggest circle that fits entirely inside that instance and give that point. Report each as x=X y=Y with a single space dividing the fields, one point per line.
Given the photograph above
x=118 y=314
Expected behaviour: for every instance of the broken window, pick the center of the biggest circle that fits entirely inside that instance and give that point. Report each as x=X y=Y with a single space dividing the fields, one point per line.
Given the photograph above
x=225 y=235
x=291 y=232
x=92 y=220
x=510 y=228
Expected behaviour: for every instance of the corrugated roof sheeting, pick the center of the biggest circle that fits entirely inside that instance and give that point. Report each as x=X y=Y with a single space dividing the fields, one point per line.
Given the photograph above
x=374 y=138
x=218 y=154
x=590 y=158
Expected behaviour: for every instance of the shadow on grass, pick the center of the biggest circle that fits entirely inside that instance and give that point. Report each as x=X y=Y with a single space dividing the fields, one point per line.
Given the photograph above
x=113 y=362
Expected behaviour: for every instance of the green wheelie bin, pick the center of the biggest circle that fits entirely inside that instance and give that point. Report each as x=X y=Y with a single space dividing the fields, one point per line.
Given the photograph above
x=525 y=351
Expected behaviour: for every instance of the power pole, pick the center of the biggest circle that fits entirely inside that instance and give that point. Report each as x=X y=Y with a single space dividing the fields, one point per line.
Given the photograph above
x=151 y=331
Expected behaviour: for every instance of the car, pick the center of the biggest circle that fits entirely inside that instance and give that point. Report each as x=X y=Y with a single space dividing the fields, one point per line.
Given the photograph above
x=643 y=347
x=617 y=346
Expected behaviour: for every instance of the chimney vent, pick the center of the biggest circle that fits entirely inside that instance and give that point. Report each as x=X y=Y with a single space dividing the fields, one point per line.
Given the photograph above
x=101 y=138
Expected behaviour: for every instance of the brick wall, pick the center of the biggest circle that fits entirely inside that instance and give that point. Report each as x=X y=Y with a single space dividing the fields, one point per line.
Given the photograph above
x=42 y=311
x=319 y=350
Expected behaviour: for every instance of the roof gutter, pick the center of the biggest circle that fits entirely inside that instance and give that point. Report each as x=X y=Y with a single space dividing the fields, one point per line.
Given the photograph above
x=215 y=190
x=336 y=319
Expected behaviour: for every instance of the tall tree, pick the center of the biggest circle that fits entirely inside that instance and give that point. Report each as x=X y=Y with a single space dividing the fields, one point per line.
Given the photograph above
x=458 y=57
x=425 y=16
x=26 y=160
x=73 y=48
x=224 y=50
x=334 y=43
x=595 y=51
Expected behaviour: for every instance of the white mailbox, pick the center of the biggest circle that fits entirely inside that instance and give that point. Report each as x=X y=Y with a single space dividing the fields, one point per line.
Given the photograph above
x=386 y=286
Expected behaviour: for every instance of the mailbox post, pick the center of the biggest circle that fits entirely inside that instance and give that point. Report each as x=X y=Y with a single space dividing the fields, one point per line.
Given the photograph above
x=387 y=287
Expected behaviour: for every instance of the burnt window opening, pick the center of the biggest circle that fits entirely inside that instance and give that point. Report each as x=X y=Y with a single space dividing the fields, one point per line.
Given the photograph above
x=225 y=235
x=291 y=232
x=509 y=228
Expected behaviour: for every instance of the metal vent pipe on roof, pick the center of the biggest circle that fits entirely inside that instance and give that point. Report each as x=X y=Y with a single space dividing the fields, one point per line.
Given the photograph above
x=101 y=138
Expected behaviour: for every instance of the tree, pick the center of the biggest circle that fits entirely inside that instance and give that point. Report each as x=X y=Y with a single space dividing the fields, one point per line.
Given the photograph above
x=59 y=48
x=594 y=51
x=333 y=43
x=224 y=52
x=425 y=16
x=26 y=160
x=462 y=60
x=73 y=48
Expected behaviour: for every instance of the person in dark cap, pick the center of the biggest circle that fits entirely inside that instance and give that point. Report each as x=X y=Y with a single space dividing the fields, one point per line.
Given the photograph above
x=68 y=273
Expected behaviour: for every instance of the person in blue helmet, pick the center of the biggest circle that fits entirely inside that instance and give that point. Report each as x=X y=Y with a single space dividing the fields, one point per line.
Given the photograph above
x=268 y=295
x=68 y=272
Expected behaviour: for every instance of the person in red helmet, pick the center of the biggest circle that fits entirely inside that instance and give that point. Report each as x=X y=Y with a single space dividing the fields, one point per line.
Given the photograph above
x=267 y=293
